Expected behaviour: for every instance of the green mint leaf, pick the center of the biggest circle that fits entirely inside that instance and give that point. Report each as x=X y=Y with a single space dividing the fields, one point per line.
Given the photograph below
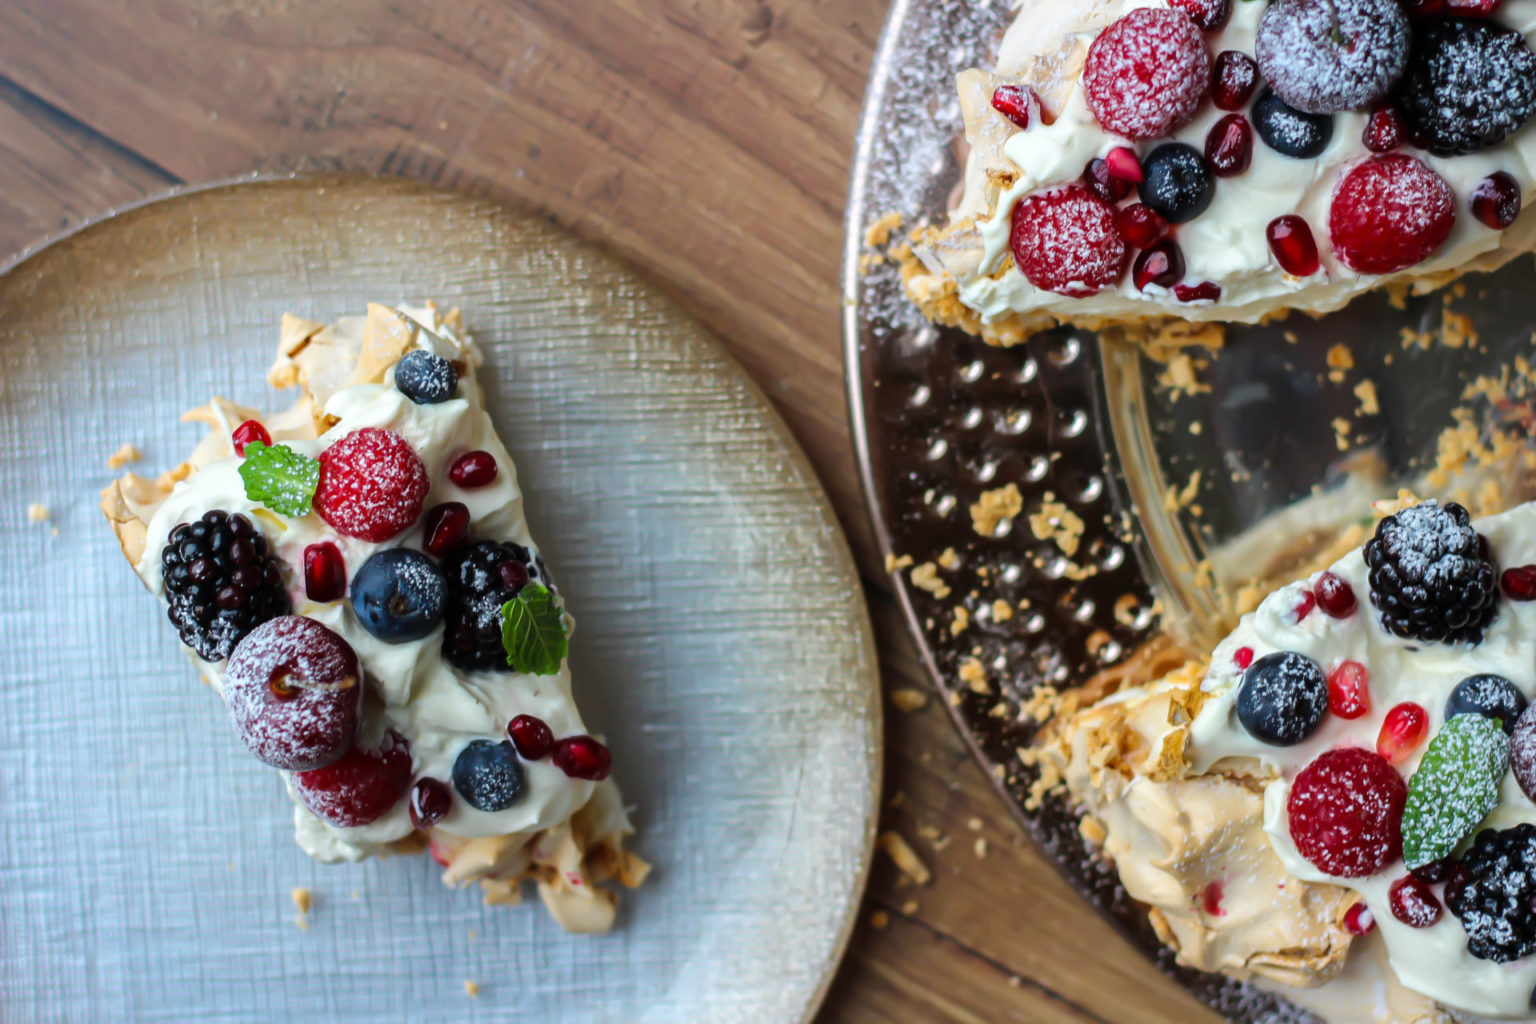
x=533 y=632
x=280 y=478
x=1454 y=788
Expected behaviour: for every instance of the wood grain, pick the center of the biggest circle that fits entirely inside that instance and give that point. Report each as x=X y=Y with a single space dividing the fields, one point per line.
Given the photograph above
x=707 y=141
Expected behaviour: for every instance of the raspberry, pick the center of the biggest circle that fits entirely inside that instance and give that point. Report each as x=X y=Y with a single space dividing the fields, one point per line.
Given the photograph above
x=1210 y=15
x=1430 y=574
x=1323 y=58
x=1147 y=73
x=1389 y=213
x=1470 y=85
x=372 y=485
x=220 y=582
x=1495 y=899
x=481 y=578
x=1065 y=241
x=1346 y=812
x=360 y=787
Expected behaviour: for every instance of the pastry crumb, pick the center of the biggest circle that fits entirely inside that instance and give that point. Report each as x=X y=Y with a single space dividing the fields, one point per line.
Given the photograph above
x=879 y=919
x=926 y=577
x=303 y=900
x=980 y=848
x=1002 y=611
x=974 y=675
x=1341 y=433
x=909 y=700
x=1058 y=524
x=1093 y=830
x=909 y=908
x=974 y=824
x=1365 y=391
x=995 y=508
x=123 y=456
x=879 y=232
x=1456 y=330
x=962 y=620
x=894 y=564
x=1340 y=361
x=905 y=858
x=37 y=512
x=1181 y=376
x=471 y=988
x=948 y=559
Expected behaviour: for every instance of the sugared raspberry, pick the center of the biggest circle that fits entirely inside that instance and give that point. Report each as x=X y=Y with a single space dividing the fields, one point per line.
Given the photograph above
x=1210 y=15
x=1413 y=902
x=1234 y=76
x=1147 y=73
x=1017 y=103
x=1389 y=213
x=1346 y=813
x=360 y=787
x=372 y=485
x=1140 y=225
x=1065 y=241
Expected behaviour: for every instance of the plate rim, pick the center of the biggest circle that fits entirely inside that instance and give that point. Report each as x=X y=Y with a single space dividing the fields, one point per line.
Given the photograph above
x=869 y=675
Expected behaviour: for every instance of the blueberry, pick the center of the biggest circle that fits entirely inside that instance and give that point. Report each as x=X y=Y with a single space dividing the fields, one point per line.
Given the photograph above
x=488 y=776
x=1488 y=695
x=1177 y=182
x=398 y=595
x=1282 y=698
x=1287 y=130
x=426 y=378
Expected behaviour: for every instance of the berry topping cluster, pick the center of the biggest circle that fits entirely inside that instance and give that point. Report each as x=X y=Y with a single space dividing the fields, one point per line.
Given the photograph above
x=1432 y=579
x=220 y=582
x=1438 y=81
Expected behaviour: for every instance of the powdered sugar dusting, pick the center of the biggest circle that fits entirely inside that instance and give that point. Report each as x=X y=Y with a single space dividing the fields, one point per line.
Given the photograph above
x=372 y=484
x=1334 y=56
x=294 y=693
x=1389 y=213
x=1066 y=241
x=1147 y=73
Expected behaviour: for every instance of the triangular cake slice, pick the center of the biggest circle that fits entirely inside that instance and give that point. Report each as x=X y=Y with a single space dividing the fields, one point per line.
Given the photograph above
x=356 y=578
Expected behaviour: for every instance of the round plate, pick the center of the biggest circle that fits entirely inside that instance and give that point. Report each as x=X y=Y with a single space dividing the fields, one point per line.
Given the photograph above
x=146 y=861
x=1082 y=423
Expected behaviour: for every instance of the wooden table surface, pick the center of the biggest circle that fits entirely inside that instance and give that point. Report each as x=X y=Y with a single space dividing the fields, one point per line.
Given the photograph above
x=706 y=141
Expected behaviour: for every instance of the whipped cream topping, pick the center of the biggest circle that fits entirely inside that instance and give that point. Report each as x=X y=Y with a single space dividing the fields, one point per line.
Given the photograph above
x=1433 y=961
x=1226 y=244
x=411 y=689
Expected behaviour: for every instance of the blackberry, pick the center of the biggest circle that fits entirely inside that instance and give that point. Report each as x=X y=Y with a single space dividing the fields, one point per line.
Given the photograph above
x=1496 y=892
x=1470 y=84
x=481 y=578
x=1431 y=575
x=221 y=582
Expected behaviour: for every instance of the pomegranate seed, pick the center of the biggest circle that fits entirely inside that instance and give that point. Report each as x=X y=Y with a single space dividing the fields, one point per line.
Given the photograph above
x=430 y=803
x=473 y=469
x=1496 y=200
x=1358 y=920
x=1334 y=596
x=1209 y=15
x=1349 y=694
x=1519 y=583
x=1104 y=184
x=247 y=432
x=1290 y=239
x=1384 y=129
x=1229 y=146
x=1123 y=163
x=447 y=527
x=1413 y=903
x=1015 y=103
x=531 y=737
x=1233 y=79
x=325 y=572
x=1140 y=225
x=1304 y=606
x=1243 y=657
x=582 y=757
x=1210 y=899
x=1162 y=265
x=1402 y=731
x=1205 y=291
x=1472 y=8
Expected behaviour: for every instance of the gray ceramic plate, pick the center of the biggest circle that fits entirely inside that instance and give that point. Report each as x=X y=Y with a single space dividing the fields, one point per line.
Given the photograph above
x=146 y=861
x=940 y=417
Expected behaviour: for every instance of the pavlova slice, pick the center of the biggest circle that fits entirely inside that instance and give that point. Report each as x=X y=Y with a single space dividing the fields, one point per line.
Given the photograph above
x=355 y=577
x=1135 y=160
x=1342 y=798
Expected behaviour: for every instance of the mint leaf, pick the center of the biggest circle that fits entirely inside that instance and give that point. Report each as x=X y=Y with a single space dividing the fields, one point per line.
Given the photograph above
x=533 y=631
x=1454 y=788
x=280 y=478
